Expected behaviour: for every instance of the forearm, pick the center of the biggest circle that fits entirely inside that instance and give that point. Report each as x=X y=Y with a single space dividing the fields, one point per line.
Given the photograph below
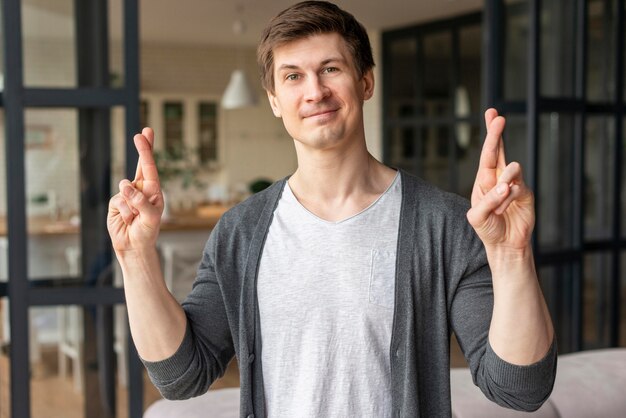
x=521 y=329
x=157 y=321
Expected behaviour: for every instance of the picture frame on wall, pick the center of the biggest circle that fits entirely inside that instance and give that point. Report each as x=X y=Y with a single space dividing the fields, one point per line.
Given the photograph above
x=38 y=137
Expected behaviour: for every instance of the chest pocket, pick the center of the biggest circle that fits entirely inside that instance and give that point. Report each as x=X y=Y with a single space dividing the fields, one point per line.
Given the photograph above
x=382 y=278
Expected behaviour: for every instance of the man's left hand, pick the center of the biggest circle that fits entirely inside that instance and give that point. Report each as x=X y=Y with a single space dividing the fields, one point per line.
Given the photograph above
x=502 y=212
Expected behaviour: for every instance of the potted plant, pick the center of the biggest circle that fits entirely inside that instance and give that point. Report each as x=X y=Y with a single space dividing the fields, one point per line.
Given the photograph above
x=178 y=166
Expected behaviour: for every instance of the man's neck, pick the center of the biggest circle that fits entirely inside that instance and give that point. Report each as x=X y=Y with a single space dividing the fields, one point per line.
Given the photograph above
x=336 y=184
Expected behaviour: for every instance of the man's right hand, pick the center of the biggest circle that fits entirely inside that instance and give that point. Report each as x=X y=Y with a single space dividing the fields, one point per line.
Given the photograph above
x=157 y=321
x=134 y=214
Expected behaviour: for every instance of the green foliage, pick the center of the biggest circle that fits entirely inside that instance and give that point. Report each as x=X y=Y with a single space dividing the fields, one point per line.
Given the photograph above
x=39 y=199
x=259 y=185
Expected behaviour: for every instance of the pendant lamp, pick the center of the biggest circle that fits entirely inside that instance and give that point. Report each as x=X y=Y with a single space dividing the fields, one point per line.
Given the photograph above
x=239 y=93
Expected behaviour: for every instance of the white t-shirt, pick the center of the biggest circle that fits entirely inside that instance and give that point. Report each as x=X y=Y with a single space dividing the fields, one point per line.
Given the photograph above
x=326 y=296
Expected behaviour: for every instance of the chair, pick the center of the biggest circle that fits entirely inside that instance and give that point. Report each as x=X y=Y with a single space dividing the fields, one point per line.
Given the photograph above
x=70 y=328
x=180 y=263
x=120 y=331
x=34 y=347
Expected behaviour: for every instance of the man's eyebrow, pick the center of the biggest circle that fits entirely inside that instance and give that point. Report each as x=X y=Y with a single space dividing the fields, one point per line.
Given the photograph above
x=333 y=59
x=288 y=67
x=327 y=61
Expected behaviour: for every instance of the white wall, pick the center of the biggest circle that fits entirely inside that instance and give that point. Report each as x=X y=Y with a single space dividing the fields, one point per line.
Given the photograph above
x=52 y=166
x=372 y=111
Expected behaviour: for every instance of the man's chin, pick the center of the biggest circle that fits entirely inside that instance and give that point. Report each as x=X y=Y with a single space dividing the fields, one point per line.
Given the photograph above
x=320 y=142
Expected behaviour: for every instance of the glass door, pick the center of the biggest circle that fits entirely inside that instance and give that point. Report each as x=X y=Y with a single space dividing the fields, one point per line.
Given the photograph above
x=556 y=69
x=65 y=70
x=431 y=88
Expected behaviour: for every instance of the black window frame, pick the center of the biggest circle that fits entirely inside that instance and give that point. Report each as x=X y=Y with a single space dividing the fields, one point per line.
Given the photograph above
x=567 y=311
x=93 y=98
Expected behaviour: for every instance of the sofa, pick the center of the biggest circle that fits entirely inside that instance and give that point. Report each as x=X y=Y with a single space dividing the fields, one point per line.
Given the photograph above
x=588 y=384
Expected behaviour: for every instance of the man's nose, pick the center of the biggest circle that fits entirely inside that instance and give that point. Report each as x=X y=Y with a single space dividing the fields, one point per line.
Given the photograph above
x=316 y=90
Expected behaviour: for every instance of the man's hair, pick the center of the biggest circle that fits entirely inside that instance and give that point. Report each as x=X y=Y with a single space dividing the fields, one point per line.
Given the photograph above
x=306 y=19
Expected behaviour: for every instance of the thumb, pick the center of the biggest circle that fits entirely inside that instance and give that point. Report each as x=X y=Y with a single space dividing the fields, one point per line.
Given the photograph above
x=480 y=213
x=138 y=200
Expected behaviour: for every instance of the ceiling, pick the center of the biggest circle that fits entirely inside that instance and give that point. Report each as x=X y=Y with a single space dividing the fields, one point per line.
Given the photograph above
x=211 y=21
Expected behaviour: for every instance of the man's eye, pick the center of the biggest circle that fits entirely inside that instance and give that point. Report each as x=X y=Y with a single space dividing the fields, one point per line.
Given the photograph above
x=291 y=77
x=331 y=69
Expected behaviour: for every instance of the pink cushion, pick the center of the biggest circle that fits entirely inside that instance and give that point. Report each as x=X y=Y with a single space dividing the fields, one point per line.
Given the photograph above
x=591 y=384
x=220 y=403
x=588 y=384
x=469 y=402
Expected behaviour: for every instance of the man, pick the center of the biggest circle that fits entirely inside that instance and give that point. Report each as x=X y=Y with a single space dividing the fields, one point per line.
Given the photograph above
x=338 y=287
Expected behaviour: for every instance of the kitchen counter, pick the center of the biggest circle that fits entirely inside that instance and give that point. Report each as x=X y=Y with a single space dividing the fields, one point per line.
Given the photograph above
x=204 y=217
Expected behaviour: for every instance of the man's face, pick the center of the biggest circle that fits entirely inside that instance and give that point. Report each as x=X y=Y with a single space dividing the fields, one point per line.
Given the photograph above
x=318 y=92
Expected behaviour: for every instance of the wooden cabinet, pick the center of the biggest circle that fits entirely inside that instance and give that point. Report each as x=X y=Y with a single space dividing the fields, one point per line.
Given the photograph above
x=173 y=129
x=194 y=122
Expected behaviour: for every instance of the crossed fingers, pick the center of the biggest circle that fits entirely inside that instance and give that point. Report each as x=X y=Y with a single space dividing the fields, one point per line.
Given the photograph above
x=144 y=191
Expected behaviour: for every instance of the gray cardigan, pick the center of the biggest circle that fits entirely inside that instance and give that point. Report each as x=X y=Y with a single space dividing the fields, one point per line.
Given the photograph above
x=443 y=285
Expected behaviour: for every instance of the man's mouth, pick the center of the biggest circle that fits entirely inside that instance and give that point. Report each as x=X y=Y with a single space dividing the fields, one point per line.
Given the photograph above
x=318 y=113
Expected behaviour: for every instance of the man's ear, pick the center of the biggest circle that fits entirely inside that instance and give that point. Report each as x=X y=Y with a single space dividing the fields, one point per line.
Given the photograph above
x=273 y=103
x=368 y=84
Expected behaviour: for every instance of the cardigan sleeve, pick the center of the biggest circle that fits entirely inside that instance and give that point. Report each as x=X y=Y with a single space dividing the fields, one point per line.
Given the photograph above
x=518 y=387
x=207 y=346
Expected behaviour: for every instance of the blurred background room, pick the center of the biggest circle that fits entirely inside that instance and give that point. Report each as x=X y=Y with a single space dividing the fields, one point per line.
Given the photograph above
x=79 y=78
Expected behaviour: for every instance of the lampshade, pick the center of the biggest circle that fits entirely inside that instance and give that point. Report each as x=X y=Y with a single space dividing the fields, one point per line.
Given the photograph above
x=238 y=93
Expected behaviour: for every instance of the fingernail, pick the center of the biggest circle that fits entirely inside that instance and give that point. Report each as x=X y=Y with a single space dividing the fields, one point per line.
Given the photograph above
x=501 y=188
x=128 y=191
x=135 y=212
